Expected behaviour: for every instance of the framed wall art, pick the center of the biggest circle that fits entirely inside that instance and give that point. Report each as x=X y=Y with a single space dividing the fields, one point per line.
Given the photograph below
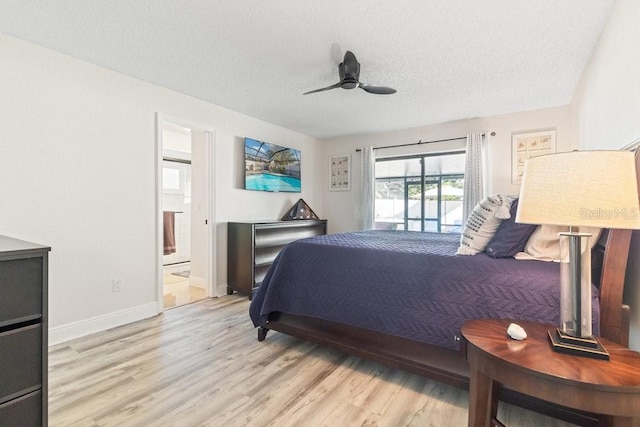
x=340 y=173
x=529 y=144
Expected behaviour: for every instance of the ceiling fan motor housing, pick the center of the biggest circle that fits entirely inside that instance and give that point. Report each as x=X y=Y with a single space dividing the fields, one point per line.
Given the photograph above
x=348 y=76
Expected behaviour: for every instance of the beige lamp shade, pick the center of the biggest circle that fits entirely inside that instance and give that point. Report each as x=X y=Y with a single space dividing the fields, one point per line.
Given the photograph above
x=580 y=188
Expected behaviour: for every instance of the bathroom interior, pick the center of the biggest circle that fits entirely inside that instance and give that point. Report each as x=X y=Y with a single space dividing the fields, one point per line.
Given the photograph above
x=181 y=282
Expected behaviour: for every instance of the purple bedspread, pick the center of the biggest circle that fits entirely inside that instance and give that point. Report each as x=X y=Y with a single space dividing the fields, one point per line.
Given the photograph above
x=407 y=284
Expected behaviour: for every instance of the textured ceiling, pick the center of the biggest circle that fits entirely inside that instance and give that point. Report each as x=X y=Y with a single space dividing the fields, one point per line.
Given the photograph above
x=448 y=59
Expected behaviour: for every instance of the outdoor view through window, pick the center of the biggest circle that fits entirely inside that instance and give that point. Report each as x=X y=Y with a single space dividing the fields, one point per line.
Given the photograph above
x=420 y=193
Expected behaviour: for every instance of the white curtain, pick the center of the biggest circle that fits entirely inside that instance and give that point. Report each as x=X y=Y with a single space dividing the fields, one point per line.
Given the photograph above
x=368 y=189
x=474 y=180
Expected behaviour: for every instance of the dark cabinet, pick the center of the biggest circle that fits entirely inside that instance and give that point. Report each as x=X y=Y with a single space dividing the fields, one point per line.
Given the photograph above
x=253 y=245
x=23 y=332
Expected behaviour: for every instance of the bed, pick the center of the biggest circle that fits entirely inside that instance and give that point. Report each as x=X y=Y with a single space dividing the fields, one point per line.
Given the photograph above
x=410 y=285
x=309 y=293
x=400 y=298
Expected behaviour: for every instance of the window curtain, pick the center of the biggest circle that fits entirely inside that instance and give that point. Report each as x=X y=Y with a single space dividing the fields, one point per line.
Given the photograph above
x=474 y=180
x=368 y=188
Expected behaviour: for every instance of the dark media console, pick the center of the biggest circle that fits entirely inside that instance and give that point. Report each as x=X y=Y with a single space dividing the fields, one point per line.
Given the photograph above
x=253 y=245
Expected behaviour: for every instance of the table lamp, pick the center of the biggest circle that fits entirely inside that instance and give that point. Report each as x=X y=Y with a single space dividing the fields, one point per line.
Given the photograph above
x=579 y=189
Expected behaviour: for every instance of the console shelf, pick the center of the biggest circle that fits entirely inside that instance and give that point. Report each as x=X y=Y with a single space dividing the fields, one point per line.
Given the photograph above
x=253 y=245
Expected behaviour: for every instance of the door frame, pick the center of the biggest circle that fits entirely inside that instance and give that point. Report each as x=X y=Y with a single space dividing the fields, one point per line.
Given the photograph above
x=211 y=287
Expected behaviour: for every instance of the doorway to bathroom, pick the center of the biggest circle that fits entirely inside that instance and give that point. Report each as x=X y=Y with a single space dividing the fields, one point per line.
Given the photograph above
x=179 y=286
x=185 y=204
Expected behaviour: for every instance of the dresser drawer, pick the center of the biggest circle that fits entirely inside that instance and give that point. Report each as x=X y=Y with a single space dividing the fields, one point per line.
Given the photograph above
x=20 y=362
x=25 y=411
x=21 y=290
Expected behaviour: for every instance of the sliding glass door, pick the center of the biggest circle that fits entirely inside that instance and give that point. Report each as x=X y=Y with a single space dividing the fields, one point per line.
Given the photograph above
x=420 y=193
x=413 y=208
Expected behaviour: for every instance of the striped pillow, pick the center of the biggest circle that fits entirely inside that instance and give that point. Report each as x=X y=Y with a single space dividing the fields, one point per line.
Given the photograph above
x=483 y=223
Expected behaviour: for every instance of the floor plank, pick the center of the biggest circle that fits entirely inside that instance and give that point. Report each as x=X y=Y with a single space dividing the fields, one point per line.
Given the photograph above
x=202 y=365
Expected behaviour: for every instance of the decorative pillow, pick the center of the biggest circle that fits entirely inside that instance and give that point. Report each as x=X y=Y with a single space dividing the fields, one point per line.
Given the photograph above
x=483 y=223
x=544 y=243
x=511 y=237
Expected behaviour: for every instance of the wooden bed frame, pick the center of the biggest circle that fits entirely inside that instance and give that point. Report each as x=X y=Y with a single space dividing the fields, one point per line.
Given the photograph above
x=449 y=366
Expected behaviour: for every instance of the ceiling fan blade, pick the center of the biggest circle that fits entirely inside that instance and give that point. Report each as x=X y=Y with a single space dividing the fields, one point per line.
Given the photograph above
x=337 y=85
x=378 y=90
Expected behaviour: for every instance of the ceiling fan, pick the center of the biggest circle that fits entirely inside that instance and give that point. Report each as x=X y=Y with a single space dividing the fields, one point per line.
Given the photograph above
x=349 y=71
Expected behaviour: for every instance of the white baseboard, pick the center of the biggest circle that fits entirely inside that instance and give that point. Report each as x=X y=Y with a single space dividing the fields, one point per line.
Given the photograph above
x=60 y=334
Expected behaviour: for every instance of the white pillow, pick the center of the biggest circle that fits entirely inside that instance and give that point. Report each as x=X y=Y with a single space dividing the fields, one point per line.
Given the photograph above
x=544 y=243
x=483 y=223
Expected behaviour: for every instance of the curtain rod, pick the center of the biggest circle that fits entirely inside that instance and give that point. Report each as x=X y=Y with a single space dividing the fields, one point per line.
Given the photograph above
x=420 y=142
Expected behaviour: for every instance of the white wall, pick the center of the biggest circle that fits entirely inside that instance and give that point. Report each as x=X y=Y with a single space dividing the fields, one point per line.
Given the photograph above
x=606 y=114
x=607 y=104
x=78 y=167
x=343 y=208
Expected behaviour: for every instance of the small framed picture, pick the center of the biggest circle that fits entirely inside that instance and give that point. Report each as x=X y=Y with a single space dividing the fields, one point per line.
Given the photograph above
x=529 y=144
x=340 y=173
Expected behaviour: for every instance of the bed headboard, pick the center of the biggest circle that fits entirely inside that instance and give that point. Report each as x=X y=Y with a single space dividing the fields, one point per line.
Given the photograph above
x=610 y=266
x=614 y=315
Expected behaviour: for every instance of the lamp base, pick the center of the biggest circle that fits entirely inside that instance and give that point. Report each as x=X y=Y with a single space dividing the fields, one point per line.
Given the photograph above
x=586 y=347
x=565 y=338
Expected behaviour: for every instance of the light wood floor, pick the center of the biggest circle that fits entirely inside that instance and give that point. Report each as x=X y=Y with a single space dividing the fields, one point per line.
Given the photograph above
x=178 y=290
x=202 y=365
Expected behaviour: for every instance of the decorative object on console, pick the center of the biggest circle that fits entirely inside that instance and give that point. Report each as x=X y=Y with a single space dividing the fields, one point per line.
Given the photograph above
x=579 y=189
x=299 y=210
x=340 y=173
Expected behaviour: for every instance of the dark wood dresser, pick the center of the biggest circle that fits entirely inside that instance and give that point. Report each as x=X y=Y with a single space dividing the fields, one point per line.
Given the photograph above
x=253 y=245
x=23 y=333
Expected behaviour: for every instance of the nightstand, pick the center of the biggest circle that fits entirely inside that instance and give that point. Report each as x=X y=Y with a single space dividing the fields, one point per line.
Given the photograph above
x=610 y=388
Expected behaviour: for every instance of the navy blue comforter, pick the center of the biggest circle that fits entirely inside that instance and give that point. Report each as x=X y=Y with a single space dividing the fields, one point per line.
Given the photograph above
x=407 y=284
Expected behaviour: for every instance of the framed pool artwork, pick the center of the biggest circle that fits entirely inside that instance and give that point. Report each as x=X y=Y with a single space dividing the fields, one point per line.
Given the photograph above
x=271 y=167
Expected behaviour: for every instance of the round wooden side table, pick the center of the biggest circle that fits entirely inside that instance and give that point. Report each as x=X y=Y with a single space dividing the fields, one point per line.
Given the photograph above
x=610 y=388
